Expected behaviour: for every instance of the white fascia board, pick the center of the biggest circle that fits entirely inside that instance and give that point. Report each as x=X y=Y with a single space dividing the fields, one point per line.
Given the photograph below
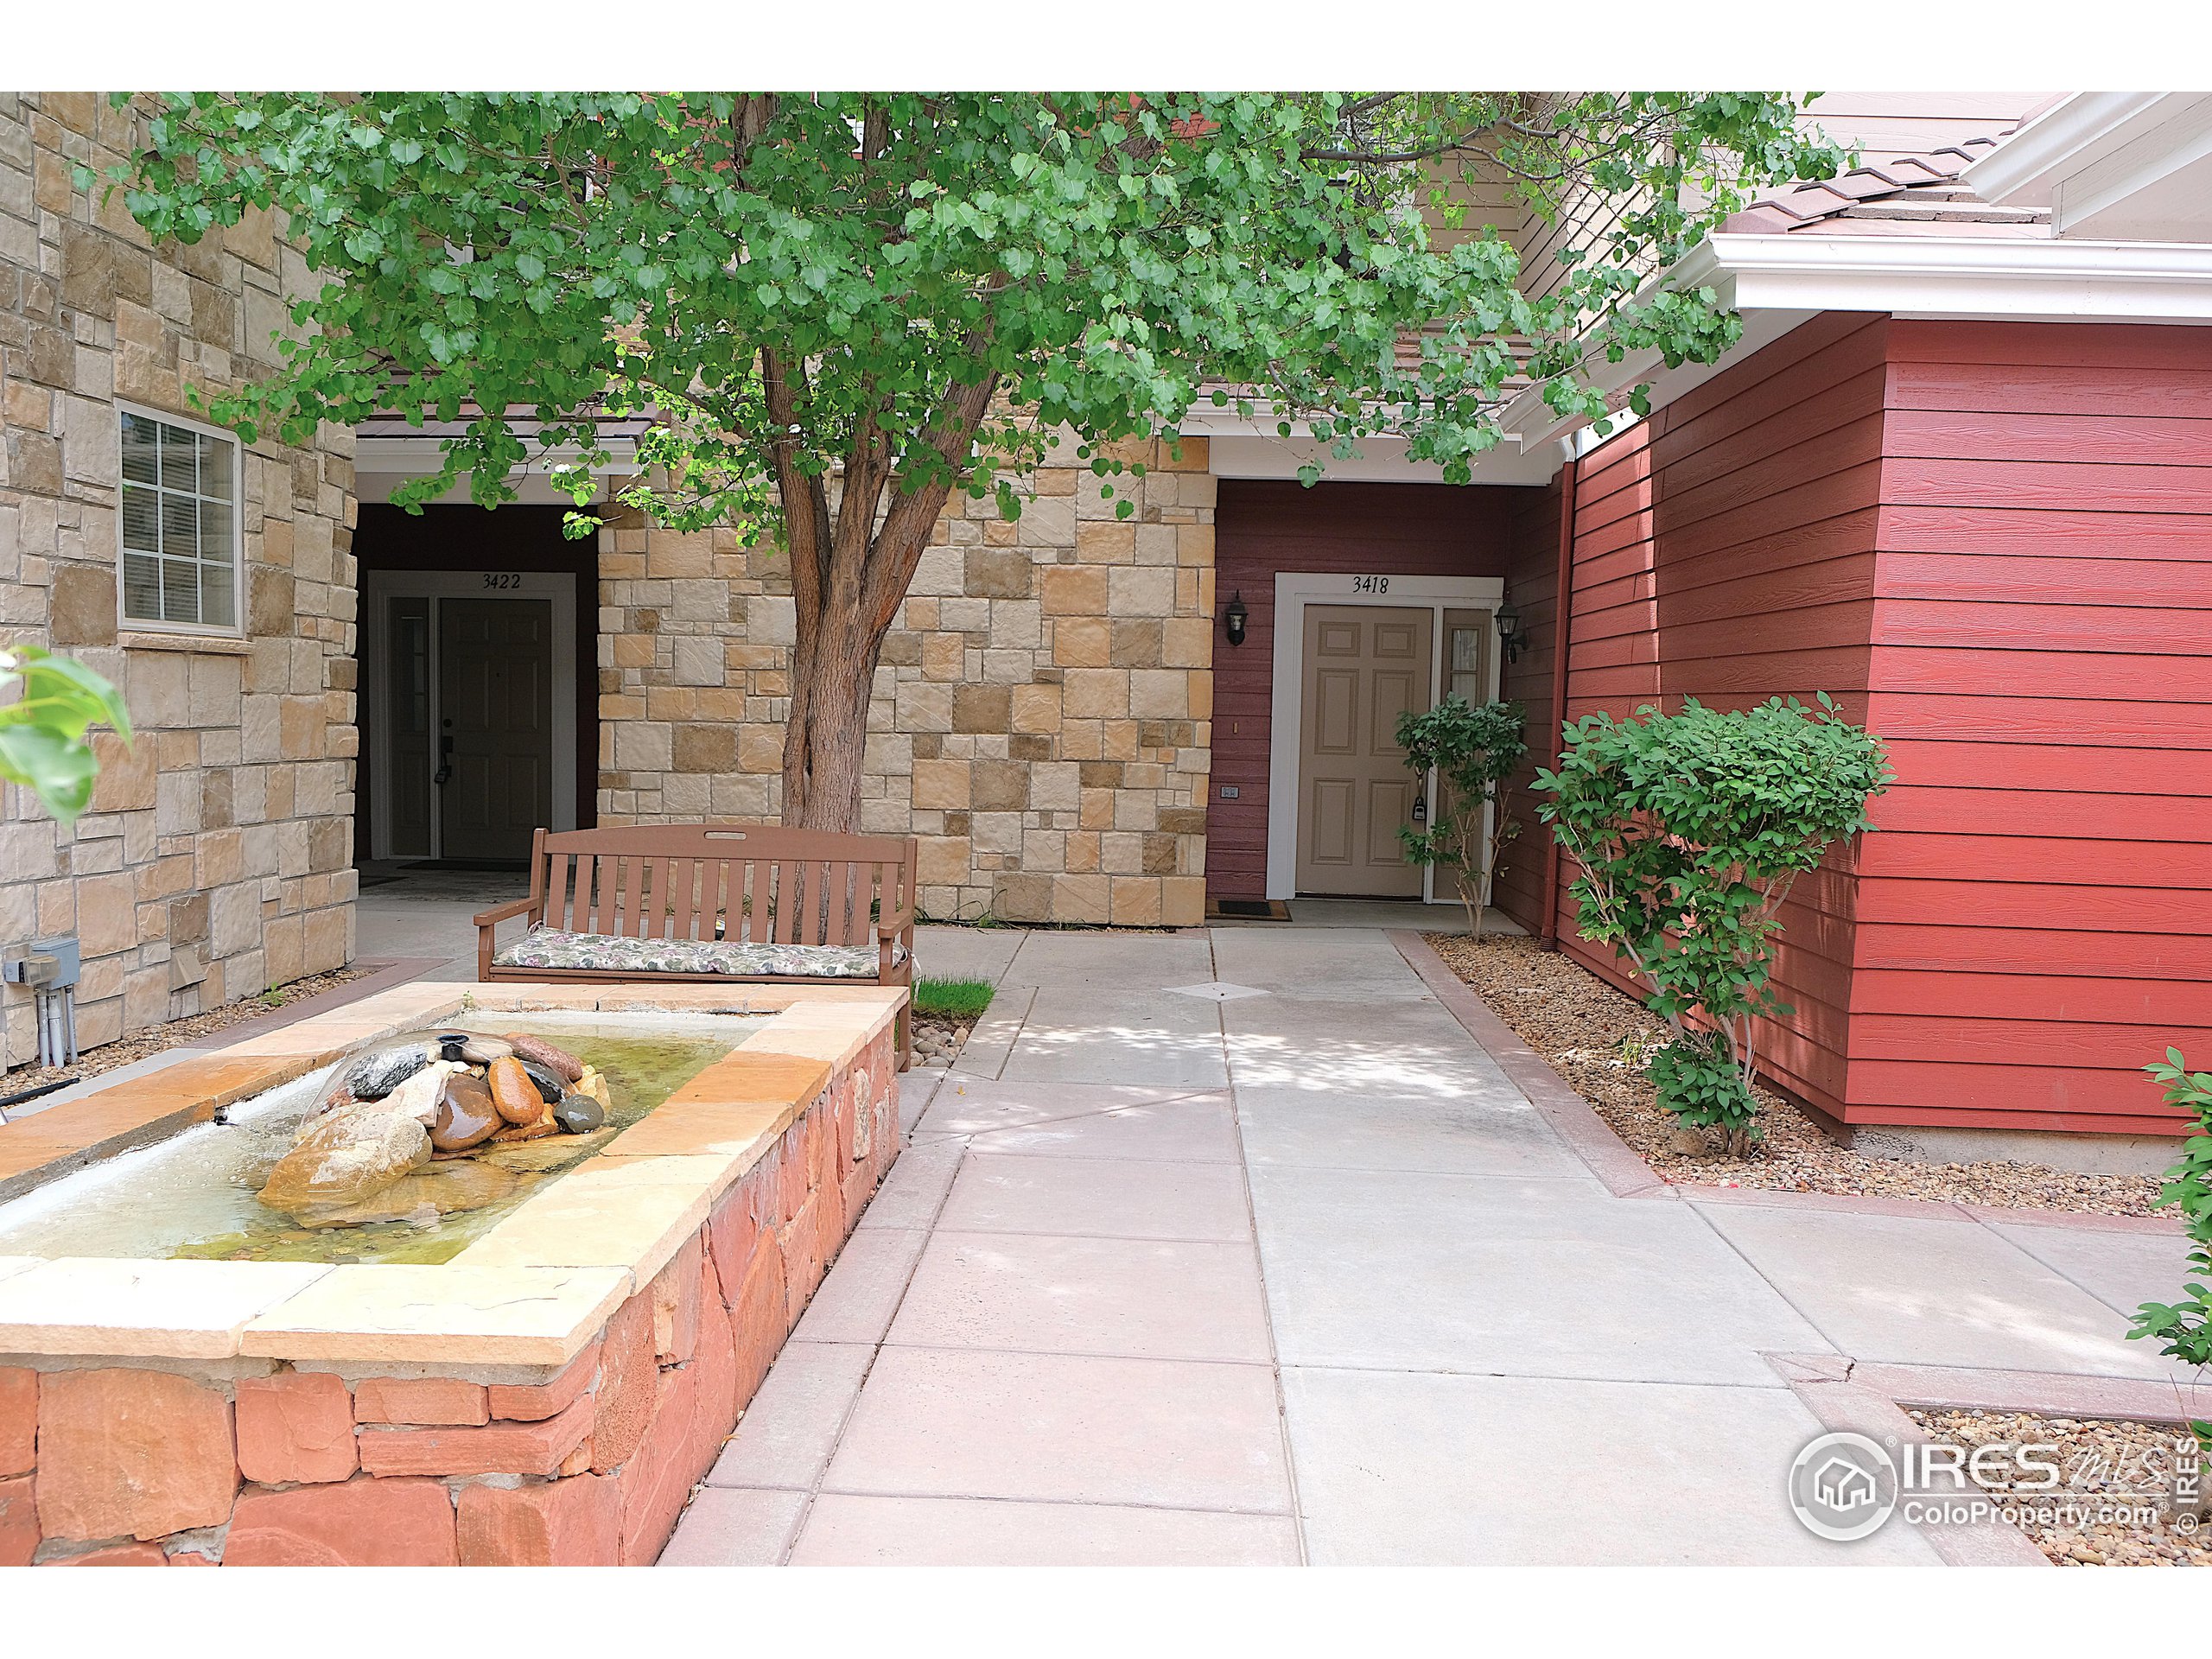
x=417 y=455
x=2008 y=277
x=1380 y=460
x=2027 y=169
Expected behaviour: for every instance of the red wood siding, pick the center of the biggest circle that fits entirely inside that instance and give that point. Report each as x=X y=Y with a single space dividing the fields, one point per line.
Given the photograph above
x=1262 y=526
x=2035 y=917
x=1725 y=549
x=1532 y=583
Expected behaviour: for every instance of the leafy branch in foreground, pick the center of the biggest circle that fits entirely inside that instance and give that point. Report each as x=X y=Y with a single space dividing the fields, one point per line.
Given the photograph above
x=2184 y=1329
x=841 y=310
x=42 y=741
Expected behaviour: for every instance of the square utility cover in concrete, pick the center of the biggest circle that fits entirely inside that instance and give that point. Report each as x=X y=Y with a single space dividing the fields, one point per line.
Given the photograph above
x=1217 y=990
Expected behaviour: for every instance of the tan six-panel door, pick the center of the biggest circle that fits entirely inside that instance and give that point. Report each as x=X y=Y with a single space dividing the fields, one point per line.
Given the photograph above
x=1365 y=665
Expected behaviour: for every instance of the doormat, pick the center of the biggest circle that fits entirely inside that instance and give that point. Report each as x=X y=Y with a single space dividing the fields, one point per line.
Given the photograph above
x=1248 y=909
x=480 y=865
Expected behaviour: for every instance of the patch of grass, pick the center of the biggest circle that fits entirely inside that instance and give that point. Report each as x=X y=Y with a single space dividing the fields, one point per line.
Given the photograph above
x=952 y=998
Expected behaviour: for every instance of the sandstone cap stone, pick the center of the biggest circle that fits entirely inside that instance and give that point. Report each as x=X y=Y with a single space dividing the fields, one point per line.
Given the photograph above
x=457 y=1314
x=139 y=1309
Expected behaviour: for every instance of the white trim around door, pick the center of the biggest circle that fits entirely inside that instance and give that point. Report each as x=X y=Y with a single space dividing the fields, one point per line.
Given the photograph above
x=378 y=588
x=1294 y=591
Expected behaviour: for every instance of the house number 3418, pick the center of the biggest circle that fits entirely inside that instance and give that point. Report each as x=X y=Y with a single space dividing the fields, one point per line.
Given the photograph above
x=1370 y=584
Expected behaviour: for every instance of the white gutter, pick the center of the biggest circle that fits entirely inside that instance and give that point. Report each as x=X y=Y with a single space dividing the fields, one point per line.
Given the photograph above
x=2027 y=168
x=1778 y=282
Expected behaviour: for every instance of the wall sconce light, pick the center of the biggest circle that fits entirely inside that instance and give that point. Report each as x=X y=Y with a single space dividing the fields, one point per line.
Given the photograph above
x=1507 y=621
x=1235 y=618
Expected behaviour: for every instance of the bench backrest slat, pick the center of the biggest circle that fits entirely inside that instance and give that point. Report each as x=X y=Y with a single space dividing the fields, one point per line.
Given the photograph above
x=737 y=882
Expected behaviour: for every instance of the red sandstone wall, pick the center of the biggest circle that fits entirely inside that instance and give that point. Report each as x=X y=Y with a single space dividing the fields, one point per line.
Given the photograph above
x=110 y=1466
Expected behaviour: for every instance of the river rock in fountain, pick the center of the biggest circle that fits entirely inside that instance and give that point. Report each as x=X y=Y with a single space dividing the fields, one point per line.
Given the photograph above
x=467 y=1114
x=355 y=1150
x=425 y=1196
x=558 y=1061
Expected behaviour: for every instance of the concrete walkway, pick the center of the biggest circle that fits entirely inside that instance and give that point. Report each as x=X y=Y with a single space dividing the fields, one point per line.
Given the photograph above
x=1236 y=1247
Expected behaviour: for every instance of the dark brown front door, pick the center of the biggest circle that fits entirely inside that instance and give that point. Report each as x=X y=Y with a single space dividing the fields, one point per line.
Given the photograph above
x=1365 y=665
x=495 y=694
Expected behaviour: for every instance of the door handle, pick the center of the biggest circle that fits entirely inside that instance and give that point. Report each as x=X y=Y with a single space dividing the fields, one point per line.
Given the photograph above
x=445 y=762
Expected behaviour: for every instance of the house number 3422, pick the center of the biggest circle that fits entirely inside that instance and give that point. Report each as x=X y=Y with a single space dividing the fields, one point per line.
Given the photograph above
x=501 y=579
x=1370 y=584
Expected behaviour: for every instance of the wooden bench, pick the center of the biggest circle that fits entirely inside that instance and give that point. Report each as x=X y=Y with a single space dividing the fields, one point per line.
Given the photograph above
x=740 y=903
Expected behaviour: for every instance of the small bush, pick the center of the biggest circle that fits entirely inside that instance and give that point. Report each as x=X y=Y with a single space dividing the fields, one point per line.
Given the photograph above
x=1690 y=828
x=2185 y=1328
x=1698 y=1081
x=1472 y=750
x=952 y=998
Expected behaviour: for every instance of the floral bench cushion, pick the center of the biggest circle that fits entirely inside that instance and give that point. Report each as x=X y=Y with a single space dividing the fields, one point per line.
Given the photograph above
x=546 y=947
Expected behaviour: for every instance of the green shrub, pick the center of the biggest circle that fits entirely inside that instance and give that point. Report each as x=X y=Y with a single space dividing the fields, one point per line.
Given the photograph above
x=1690 y=828
x=952 y=998
x=2185 y=1328
x=1473 y=751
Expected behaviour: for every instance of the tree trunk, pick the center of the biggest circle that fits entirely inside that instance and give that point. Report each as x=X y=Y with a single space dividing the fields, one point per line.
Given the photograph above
x=827 y=729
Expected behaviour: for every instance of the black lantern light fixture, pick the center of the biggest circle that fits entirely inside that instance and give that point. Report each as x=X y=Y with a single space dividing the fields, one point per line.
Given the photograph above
x=1235 y=617
x=1507 y=621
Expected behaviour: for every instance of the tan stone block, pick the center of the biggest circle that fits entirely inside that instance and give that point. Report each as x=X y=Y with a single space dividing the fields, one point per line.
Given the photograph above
x=943 y=657
x=1097 y=811
x=1183 y=901
x=984 y=709
x=1139 y=590
x=1036 y=709
x=1186 y=454
x=1201 y=694
x=82 y=604
x=1194 y=544
x=1134 y=901
x=943 y=861
x=998 y=785
x=1071 y=590
x=1080 y=898
x=1097 y=693
x=1100 y=543
x=941 y=784
x=1160 y=694
x=1082 y=642
x=760 y=748
x=1081 y=740
x=1137 y=642
x=1187 y=642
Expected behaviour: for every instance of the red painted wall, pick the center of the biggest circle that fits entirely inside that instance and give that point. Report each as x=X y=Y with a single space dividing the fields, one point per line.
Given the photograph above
x=1725 y=550
x=1993 y=542
x=1265 y=525
x=2035 y=921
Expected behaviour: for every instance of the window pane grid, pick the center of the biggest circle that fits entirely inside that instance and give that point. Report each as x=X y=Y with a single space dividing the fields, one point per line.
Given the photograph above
x=180 y=557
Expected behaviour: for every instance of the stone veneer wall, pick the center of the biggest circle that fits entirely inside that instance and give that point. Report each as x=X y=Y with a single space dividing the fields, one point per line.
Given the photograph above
x=217 y=857
x=259 y=1465
x=1042 y=717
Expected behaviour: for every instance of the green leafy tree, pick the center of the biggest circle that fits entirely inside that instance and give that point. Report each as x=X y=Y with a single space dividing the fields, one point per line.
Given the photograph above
x=1690 y=830
x=1472 y=751
x=842 y=308
x=42 y=732
x=2184 y=1329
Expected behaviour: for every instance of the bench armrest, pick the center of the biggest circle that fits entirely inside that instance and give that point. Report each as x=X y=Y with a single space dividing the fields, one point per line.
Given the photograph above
x=892 y=927
x=520 y=907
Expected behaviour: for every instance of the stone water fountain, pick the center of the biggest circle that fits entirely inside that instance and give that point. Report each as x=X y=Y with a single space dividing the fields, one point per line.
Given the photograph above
x=395 y=1134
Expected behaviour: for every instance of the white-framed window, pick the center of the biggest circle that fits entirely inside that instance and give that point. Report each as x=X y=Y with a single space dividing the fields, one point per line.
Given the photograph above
x=179 y=526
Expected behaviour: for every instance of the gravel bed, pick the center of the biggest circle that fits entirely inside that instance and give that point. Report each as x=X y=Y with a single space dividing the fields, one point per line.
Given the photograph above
x=176 y=1033
x=1596 y=1037
x=938 y=1040
x=2098 y=1459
